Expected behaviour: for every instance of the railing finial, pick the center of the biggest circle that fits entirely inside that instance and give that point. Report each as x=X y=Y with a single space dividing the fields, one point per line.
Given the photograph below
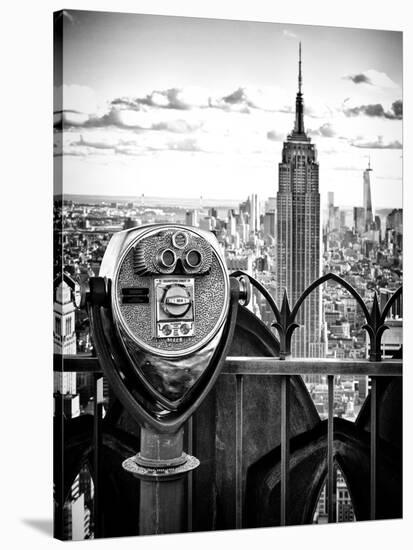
x=286 y=326
x=375 y=327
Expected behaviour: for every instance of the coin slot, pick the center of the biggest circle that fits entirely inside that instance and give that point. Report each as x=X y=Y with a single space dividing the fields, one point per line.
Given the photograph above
x=180 y=240
x=135 y=299
x=135 y=291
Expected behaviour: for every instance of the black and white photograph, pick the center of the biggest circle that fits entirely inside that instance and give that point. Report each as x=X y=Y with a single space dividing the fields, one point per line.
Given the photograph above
x=227 y=275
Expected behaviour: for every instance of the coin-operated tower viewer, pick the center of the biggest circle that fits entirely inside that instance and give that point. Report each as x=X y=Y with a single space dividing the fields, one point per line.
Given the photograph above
x=163 y=312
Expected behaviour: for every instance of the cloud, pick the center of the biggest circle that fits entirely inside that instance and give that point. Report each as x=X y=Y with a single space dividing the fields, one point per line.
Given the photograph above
x=126 y=103
x=160 y=99
x=289 y=34
x=122 y=118
x=238 y=96
x=179 y=126
x=273 y=135
x=72 y=153
x=326 y=130
x=176 y=98
x=397 y=107
x=372 y=78
x=243 y=99
x=378 y=143
x=106 y=144
x=377 y=110
x=172 y=98
x=239 y=100
x=68 y=119
x=368 y=110
x=317 y=108
x=144 y=125
x=360 y=78
x=143 y=113
x=188 y=144
x=100 y=142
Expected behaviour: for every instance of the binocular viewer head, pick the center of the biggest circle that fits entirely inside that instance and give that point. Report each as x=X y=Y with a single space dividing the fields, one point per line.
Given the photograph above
x=170 y=289
x=162 y=311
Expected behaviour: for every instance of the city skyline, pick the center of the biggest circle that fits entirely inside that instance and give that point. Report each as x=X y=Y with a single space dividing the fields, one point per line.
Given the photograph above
x=201 y=116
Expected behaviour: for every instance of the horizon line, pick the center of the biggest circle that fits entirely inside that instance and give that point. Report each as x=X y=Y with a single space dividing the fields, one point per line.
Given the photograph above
x=192 y=198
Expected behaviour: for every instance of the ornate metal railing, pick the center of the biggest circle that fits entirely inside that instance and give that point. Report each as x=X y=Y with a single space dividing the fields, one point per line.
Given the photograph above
x=239 y=367
x=286 y=324
x=286 y=317
x=284 y=367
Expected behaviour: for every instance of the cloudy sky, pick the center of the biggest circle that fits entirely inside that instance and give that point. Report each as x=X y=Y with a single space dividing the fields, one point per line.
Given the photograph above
x=170 y=106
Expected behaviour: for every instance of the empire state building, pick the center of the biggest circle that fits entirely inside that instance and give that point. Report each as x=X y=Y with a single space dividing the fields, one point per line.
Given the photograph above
x=298 y=231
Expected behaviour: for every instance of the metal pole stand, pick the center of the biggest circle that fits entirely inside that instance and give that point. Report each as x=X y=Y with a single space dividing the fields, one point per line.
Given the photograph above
x=162 y=467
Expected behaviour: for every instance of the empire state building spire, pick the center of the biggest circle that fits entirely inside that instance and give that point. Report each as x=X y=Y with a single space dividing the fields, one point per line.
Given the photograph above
x=299 y=105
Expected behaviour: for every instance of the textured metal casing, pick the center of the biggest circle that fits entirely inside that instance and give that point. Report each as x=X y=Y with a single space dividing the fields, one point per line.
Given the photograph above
x=136 y=321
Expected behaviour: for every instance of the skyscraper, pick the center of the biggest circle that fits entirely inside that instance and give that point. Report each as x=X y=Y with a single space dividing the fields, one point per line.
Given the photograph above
x=191 y=218
x=64 y=336
x=298 y=229
x=367 y=204
x=269 y=224
x=254 y=214
x=359 y=219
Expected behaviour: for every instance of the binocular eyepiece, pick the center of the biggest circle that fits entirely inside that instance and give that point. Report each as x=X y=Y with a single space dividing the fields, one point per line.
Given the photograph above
x=191 y=260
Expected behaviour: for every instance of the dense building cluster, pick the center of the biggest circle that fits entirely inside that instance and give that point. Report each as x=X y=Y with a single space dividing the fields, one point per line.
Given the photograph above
x=370 y=262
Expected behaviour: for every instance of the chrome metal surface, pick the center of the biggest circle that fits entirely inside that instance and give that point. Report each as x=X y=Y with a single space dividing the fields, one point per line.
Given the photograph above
x=202 y=333
x=160 y=473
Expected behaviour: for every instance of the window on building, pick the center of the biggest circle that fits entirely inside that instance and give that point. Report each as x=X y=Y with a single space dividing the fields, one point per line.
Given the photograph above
x=58 y=326
x=68 y=326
